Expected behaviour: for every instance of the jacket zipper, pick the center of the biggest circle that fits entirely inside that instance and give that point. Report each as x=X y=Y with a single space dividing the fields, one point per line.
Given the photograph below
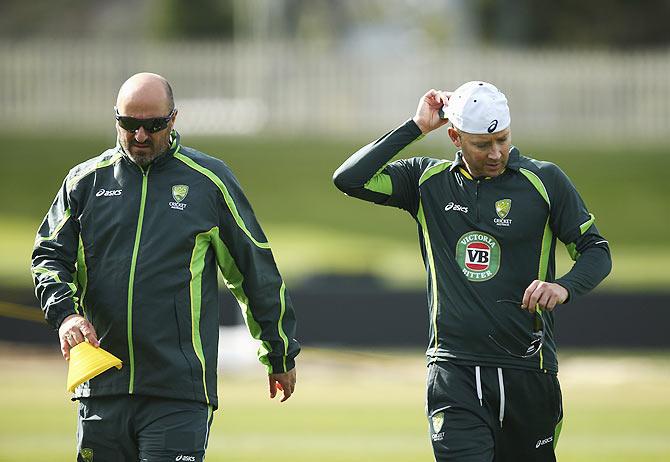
x=131 y=280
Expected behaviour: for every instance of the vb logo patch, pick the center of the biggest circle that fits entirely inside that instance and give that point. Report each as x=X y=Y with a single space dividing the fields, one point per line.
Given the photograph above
x=179 y=193
x=503 y=206
x=478 y=256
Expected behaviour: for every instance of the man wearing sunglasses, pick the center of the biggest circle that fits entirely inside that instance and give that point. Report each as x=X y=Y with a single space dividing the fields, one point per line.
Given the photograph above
x=127 y=259
x=488 y=222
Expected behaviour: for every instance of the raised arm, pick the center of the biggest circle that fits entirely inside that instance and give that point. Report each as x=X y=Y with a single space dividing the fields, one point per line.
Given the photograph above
x=368 y=175
x=362 y=176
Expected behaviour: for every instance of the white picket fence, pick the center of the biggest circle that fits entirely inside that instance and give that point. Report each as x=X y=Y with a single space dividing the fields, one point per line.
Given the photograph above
x=222 y=88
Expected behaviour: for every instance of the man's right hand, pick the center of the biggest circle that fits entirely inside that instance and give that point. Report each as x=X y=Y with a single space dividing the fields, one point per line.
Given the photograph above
x=73 y=330
x=427 y=115
x=284 y=381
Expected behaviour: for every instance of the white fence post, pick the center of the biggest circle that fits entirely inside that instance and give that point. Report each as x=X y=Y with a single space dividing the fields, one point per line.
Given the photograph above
x=281 y=87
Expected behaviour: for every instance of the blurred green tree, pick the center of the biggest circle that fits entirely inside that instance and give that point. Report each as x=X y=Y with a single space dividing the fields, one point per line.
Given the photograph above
x=192 y=19
x=619 y=24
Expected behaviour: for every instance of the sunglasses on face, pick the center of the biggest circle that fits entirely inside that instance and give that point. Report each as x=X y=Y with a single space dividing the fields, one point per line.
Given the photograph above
x=536 y=336
x=153 y=125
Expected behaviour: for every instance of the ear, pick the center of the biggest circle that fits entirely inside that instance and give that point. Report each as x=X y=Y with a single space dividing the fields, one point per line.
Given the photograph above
x=174 y=118
x=455 y=136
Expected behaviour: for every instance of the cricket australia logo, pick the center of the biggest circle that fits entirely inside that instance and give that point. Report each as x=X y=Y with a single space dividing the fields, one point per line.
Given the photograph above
x=179 y=192
x=436 y=421
x=86 y=454
x=503 y=206
x=478 y=256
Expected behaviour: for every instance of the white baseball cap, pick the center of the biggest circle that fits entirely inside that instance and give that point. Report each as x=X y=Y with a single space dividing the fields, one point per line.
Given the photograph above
x=479 y=108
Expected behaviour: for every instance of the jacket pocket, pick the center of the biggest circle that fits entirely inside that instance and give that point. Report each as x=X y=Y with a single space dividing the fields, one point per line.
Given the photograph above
x=182 y=310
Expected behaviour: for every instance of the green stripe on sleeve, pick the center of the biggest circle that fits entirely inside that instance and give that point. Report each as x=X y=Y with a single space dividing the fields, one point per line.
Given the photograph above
x=197 y=267
x=572 y=250
x=587 y=224
x=434 y=170
x=537 y=182
x=234 y=278
x=380 y=183
x=547 y=237
x=54 y=275
x=226 y=195
x=280 y=327
x=59 y=226
x=72 y=182
x=82 y=274
x=431 y=263
x=545 y=251
x=572 y=247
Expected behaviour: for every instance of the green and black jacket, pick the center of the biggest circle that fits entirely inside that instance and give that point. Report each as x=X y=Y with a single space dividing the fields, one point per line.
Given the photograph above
x=483 y=240
x=136 y=252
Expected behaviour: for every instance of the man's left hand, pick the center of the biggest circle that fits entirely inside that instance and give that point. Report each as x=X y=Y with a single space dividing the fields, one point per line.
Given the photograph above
x=284 y=381
x=545 y=295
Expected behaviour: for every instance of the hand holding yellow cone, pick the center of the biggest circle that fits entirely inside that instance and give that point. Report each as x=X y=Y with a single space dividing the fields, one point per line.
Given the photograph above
x=87 y=361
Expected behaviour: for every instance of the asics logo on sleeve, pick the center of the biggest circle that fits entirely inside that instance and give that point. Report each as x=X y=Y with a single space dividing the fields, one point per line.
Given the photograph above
x=455 y=207
x=109 y=192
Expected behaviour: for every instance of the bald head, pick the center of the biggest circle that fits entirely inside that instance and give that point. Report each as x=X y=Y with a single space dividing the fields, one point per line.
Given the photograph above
x=145 y=95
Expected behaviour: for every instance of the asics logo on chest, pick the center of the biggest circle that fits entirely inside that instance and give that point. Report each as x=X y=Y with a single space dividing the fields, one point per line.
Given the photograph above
x=455 y=207
x=108 y=192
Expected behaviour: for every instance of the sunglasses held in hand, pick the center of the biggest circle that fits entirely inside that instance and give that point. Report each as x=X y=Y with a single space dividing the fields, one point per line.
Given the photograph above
x=536 y=336
x=153 y=125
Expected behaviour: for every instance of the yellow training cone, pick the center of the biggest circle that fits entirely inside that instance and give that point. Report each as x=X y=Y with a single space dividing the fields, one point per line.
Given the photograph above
x=87 y=361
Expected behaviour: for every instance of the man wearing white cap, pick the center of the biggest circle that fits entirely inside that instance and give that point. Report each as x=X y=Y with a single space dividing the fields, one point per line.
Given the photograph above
x=488 y=222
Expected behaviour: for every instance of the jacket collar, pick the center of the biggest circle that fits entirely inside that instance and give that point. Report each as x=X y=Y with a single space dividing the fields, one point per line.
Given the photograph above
x=513 y=162
x=175 y=144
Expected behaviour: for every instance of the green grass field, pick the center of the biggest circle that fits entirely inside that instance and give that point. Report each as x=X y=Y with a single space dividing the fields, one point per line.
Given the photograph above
x=354 y=406
x=314 y=228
